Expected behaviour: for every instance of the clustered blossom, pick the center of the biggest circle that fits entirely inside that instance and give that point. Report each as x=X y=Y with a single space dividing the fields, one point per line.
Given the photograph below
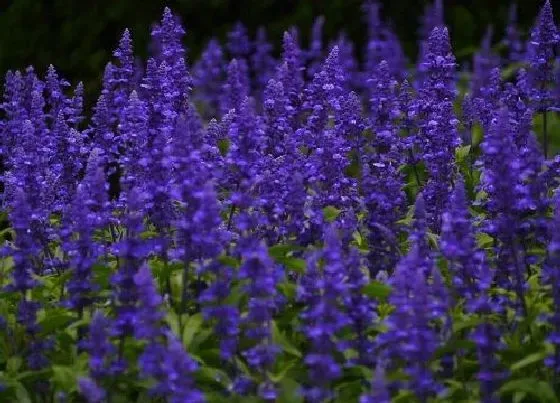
x=320 y=226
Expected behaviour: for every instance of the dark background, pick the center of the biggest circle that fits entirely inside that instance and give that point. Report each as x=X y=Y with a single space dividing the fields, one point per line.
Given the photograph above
x=79 y=36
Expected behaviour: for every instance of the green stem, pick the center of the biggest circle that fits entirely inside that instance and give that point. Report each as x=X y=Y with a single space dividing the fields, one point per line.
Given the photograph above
x=545 y=134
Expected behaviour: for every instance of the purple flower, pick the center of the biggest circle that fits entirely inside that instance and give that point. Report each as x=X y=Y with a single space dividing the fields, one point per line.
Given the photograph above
x=87 y=213
x=234 y=90
x=379 y=392
x=487 y=337
x=541 y=48
x=92 y=392
x=321 y=290
x=551 y=276
x=208 y=77
x=483 y=62
x=412 y=334
x=167 y=35
x=147 y=324
x=506 y=198
x=315 y=55
x=123 y=72
x=438 y=135
x=99 y=347
x=226 y=316
x=458 y=244
x=512 y=39
x=262 y=276
x=290 y=71
x=263 y=64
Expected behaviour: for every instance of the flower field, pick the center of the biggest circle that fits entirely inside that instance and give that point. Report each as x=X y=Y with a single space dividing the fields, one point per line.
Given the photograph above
x=321 y=224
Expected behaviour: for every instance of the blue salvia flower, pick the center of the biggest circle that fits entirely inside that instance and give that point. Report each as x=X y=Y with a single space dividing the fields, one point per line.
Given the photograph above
x=458 y=244
x=315 y=55
x=551 y=277
x=208 y=77
x=25 y=255
x=484 y=60
x=384 y=108
x=147 y=323
x=541 y=49
x=99 y=347
x=178 y=368
x=55 y=88
x=168 y=35
x=262 y=276
x=234 y=90
x=540 y=54
x=432 y=18
x=512 y=39
x=15 y=113
x=379 y=392
x=243 y=164
x=491 y=96
x=225 y=315
x=438 y=134
x=263 y=64
x=384 y=201
x=87 y=213
x=487 y=336
x=133 y=131
x=360 y=308
x=506 y=197
x=412 y=334
x=91 y=391
x=239 y=48
x=321 y=290
x=131 y=251
x=73 y=111
x=418 y=236
x=123 y=73
x=348 y=61
x=290 y=71
x=382 y=43
x=164 y=358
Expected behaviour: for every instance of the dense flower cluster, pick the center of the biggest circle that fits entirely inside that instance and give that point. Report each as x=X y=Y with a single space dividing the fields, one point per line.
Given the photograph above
x=300 y=228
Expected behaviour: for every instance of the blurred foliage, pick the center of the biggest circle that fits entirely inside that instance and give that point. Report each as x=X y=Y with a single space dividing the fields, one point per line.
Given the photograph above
x=78 y=36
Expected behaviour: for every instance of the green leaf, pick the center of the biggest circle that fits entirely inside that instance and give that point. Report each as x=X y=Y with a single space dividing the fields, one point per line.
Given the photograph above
x=467 y=322
x=54 y=320
x=223 y=145
x=477 y=135
x=280 y=375
x=172 y=320
x=212 y=375
x=64 y=377
x=461 y=153
x=229 y=261
x=484 y=240
x=375 y=289
x=14 y=364
x=279 y=251
x=290 y=391
x=288 y=289
x=281 y=340
x=22 y=395
x=293 y=263
x=530 y=359
x=432 y=239
x=331 y=213
x=519 y=397
x=539 y=389
x=192 y=325
x=101 y=274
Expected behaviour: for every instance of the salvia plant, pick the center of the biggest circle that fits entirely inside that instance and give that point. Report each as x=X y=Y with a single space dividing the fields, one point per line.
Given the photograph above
x=290 y=226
